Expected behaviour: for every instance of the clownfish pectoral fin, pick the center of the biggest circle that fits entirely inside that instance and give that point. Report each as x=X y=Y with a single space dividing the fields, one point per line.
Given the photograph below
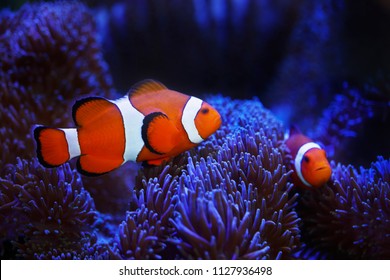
x=55 y=146
x=146 y=86
x=157 y=161
x=160 y=135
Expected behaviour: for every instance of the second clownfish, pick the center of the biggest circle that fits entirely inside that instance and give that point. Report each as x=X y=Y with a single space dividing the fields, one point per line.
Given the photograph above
x=311 y=167
x=151 y=123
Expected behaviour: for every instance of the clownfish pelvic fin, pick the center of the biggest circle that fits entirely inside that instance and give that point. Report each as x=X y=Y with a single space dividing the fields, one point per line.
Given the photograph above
x=158 y=161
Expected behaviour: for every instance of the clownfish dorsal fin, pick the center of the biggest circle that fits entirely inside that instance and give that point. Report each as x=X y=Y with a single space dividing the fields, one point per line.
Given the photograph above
x=159 y=133
x=146 y=86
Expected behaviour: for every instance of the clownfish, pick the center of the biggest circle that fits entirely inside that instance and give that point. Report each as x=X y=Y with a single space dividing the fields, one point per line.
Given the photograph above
x=151 y=123
x=310 y=165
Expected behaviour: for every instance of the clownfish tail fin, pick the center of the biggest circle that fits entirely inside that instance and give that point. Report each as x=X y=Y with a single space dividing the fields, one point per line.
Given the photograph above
x=56 y=146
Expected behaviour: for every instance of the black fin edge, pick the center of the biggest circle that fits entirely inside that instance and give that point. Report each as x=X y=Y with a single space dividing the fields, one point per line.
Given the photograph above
x=147 y=120
x=81 y=102
x=146 y=164
x=37 y=132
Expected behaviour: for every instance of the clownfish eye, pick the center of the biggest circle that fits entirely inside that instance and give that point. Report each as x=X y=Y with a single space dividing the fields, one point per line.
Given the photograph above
x=306 y=159
x=205 y=111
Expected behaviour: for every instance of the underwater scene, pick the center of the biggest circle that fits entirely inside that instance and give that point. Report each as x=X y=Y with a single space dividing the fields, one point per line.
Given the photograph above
x=195 y=129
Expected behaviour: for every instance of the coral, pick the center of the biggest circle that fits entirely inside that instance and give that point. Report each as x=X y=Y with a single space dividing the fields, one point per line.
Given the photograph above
x=349 y=218
x=41 y=208
x=229 y=198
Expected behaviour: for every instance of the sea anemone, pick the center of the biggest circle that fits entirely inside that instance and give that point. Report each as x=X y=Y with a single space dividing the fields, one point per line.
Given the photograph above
x=49 y=56
x=350 y=121
x=228 y=198
x=343 y=119
x=143 y=234
x=63 y=248
x=44 y=205
x=42 y=46
x=350 y=217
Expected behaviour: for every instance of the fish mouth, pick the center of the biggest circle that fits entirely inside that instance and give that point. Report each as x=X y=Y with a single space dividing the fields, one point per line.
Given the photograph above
x=218 y=121
x=321 y=168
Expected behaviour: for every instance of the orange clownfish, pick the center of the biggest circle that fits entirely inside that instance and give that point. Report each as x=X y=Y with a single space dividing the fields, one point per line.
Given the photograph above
x=311 y=167
x=151 y=123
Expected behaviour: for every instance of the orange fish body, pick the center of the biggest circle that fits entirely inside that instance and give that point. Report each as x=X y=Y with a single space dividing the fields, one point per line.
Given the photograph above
x=311 y=167
x=151 y=123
